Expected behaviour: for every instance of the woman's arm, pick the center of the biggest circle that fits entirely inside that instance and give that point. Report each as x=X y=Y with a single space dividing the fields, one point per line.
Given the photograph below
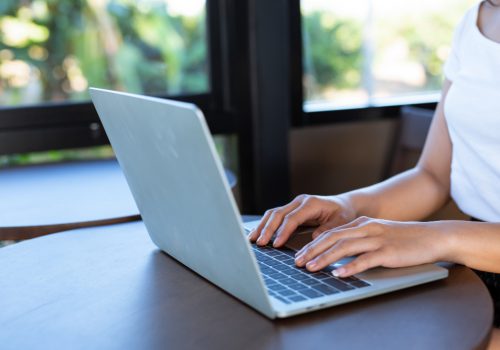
x=476 y=245
x=397 y=244
x=416 y=193
x=412 y=195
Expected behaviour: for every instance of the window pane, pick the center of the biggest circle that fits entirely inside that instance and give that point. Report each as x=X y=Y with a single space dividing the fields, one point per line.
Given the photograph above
x=53 y=50
x=364 y=52
x=333 y=50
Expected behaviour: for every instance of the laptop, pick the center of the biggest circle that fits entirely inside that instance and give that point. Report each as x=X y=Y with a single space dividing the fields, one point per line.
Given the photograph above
x=170 y=162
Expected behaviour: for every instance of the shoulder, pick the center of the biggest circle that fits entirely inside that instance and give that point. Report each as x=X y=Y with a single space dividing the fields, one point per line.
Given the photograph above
x=469 y=19
x=466 y=24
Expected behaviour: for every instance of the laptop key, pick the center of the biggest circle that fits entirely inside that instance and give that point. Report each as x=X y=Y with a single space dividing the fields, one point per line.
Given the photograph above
x=288 y=281
x=296 y=286
x=323 y=288
x=272 y=253
x=296 y=275
x=301 y=276
x=281 y=277
x=321 y=275
x=282 y=257
x=286 y=293
x=337 y=284
x=289 y=262
x=311 y=293
x=289 y=252
x=277 y=287
x=297 y=298
x=359 y=284
x=274 y=274
x=300 y=290
x=348 y=279
x=309 y=281
x=287 y=271
x=283 y=299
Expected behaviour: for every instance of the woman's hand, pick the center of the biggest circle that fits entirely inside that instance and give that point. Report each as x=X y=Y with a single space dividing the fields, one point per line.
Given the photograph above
x=378 y=243
x=324 y=212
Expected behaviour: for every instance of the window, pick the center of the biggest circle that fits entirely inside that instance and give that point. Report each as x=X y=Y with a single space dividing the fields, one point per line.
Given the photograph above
x=375 y=52
x=55 y=50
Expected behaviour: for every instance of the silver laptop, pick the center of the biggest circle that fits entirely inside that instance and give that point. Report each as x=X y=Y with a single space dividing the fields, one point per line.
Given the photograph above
x=169 y=160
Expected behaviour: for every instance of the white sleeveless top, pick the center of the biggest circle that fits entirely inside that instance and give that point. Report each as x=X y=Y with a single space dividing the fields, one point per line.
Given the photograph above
x=472 y=111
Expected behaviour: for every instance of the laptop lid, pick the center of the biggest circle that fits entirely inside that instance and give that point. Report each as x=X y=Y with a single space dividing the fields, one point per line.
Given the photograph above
x=168 y=157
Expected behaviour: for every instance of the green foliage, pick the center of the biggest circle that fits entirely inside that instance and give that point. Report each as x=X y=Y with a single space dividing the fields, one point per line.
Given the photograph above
x=100 y=152
x=333 y=52
x=53 y=50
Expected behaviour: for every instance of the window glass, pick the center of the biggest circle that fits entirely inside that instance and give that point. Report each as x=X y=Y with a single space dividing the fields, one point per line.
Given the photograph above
x=53 y=50
x=368 y=52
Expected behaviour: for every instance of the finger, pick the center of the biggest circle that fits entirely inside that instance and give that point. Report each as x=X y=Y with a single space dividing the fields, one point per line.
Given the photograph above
x=325 y=241
x=255 y=233
x=361 y=263
x=275 y=221
x=343 y=248
x=359 y=222
x=322 y=236
x=292 y=221
x=339 y=221
x=323 y=228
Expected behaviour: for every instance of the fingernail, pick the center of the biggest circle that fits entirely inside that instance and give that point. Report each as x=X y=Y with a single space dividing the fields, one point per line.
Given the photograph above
x=311 y=264
x=260 y=240
x=338 y=272
x=299 y=260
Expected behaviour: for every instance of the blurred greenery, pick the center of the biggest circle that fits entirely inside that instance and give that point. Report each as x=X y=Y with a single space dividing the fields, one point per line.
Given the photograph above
x=333 y=52
x=376 y=48
x=52 y=50
x=56 y=156
x=226 y=146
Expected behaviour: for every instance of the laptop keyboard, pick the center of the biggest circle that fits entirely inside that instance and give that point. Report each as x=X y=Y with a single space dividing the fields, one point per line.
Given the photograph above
x=289 y=283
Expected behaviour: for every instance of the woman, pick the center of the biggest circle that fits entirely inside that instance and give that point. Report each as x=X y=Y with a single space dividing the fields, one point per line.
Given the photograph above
x=461 y=160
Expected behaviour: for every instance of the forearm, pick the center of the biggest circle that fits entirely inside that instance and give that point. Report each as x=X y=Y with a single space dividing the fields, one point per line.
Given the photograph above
x=474 y=244
x=417 y=193
x=412 y=195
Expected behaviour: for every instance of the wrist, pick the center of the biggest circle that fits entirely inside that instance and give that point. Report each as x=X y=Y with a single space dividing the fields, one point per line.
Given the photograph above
x=359 y=203
x=447 y=240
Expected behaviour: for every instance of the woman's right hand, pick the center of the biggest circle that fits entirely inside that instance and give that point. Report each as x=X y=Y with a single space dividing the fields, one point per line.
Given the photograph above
x=304 y=210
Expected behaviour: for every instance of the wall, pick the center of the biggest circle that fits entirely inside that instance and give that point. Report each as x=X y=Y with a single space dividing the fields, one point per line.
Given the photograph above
x=337 y=158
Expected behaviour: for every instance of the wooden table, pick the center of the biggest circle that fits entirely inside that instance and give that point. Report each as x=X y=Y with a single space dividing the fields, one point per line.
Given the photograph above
x=111 y=288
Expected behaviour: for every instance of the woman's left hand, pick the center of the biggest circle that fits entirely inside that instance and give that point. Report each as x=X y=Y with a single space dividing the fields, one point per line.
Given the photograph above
x=377 y=242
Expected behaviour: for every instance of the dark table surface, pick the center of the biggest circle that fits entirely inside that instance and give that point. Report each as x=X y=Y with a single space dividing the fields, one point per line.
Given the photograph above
x=74 y=195
x=111 y=288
